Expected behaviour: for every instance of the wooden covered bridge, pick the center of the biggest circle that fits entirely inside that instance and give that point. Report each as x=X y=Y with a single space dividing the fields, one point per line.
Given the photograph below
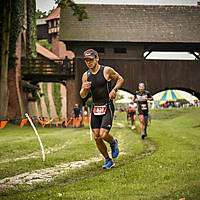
x=123 y=33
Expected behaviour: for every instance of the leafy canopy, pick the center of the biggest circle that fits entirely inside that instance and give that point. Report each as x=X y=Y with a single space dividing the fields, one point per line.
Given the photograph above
x=78 y=10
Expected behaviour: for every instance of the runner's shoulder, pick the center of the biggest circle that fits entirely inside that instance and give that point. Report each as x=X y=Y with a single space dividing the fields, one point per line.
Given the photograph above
x=137 y=92
x=107 y=68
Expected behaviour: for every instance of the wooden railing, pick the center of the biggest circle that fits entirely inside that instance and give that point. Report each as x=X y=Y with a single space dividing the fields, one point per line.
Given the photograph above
x=40 y=70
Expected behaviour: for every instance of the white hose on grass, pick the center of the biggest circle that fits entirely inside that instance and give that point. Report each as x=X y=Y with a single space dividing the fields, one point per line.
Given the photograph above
x=90 y=130
x=41 y=145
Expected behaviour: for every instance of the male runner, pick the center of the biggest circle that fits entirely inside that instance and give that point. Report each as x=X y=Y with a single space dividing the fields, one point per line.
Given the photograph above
x=76 y=111
x=142 y=97
x=131 y=113
x=98 y=80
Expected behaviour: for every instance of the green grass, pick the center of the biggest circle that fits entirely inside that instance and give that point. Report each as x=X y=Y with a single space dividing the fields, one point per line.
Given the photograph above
x=166 y=165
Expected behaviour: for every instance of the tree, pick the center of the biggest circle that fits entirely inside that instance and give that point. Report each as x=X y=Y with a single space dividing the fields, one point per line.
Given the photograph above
x=79 y=10
x=40 y=14
x=9 y=32
x=6 y=22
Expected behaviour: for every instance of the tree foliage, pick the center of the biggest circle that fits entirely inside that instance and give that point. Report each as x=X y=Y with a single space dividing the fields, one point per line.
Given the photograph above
x=31 y=28
x=78 y=10
x=42 y=15
x=17 y=20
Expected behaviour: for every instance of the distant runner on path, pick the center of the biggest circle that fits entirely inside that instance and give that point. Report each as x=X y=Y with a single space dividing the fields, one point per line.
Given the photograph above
x=142 y=96
x=97 y=80
x=131 y=113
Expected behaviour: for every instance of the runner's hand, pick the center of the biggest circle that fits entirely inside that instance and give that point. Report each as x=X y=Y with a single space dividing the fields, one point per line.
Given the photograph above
x=145 y=99
x=86 y=85
x=112 y=94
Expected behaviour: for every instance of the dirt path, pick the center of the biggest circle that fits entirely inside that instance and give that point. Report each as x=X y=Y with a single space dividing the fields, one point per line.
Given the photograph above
x=46 y=174
x=118 y=125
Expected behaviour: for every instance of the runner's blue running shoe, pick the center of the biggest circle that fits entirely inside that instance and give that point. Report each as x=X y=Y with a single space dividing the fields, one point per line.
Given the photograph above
x=109 y=164
x=142 y=136
x=115 y=149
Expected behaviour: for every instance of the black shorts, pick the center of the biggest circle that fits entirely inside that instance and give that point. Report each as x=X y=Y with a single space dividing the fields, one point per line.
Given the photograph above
x=132 y=114
x=103 y=121
x=143 y=112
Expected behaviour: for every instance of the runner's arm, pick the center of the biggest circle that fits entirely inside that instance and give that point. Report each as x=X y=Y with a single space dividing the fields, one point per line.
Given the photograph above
x=110 y=75
x=149 y=97
x=85 y=86
x=114 y=75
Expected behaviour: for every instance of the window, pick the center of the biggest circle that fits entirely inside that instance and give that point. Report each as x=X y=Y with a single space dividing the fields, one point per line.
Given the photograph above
x=120 y=50
x=99 y=49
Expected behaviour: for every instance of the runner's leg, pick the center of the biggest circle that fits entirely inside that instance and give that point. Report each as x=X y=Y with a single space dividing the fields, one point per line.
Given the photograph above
x=141 y=119
x=145 y=125
x=134 y=117
x=100 y=143
x=134 y=120
x=104 y=135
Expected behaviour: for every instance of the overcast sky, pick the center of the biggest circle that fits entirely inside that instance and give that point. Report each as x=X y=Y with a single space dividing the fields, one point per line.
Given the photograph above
x=46 y=5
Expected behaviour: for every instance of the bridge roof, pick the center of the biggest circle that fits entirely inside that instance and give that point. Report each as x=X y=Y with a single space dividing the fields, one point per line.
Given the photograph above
x=133 y=23
x=45 y=52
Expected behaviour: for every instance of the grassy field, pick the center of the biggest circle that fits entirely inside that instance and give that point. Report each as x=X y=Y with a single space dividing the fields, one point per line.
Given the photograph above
x=165 y=166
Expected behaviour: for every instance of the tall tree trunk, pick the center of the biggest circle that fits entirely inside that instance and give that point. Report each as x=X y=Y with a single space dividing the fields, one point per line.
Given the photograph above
x=4 y=58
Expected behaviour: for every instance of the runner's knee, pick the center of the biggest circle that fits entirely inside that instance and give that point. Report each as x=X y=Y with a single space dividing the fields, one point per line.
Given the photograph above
x=103 y=134
x=141 y=120
x=97 y=139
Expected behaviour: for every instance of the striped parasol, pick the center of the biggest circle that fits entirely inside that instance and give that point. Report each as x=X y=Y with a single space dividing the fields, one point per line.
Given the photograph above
x=167 y=95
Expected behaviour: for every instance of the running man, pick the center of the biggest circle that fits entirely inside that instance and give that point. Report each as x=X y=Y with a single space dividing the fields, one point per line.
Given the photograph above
x=76 y=111
x=97 y=80
x=142 y=96
x=131 y=113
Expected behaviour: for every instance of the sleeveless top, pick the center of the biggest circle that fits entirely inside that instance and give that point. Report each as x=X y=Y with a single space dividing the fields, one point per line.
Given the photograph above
x=100 y=87
x=140 y=98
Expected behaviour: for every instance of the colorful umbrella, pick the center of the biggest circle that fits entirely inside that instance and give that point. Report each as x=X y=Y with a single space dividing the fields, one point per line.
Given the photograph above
x=167 y=95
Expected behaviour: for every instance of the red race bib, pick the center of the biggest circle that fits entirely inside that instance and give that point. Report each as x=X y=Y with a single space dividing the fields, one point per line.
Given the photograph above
x=99 y=110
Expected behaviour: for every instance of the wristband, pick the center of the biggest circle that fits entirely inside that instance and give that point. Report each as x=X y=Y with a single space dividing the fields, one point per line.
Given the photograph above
x=115 y=89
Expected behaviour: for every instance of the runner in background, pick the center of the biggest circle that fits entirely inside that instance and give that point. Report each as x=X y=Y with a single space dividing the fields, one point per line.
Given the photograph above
x=77 y=113
x=131 y=113
x=142 y=96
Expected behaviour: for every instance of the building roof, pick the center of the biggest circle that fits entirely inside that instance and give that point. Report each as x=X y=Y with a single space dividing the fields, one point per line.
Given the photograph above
x=54 y=15
x=133 y=23
x=45 y=52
